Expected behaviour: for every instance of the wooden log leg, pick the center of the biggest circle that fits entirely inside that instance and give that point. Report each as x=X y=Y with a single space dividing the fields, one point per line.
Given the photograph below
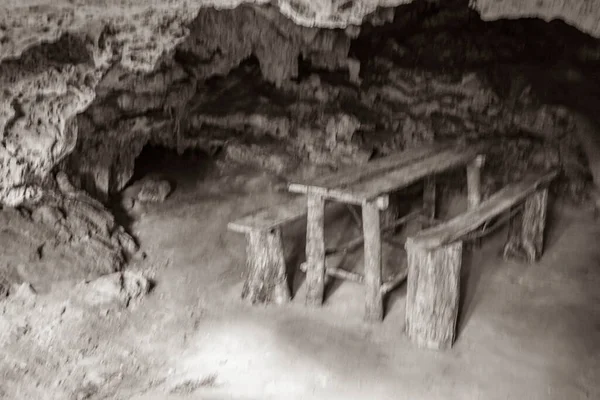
x=512 y=248
x=429 y=202
x=266 y=280
x=533 y=224
x=526 y=234
x=433 y=291
x=474 y=195
x=373 y=262
x=315 y=250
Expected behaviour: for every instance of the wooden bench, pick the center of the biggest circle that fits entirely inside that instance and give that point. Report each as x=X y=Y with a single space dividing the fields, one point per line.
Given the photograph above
x=266 y=277
x=435 y=256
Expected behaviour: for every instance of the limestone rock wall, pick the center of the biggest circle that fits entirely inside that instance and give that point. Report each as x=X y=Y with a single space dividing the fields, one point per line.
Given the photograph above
x=57 y=52
x=38 y=103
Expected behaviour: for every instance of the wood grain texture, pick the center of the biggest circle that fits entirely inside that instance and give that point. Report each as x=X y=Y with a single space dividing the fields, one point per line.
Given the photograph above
x=501 y=201
x=512 y=248
x=534 y=222
x=373 y=263
x=315 y=250
x=433 y=291
x=266 y=279
x=349 y=176
x=407 y=168
x=402 y=177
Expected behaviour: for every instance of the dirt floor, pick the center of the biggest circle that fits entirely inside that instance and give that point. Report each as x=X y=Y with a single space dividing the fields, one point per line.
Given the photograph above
x=525 y=331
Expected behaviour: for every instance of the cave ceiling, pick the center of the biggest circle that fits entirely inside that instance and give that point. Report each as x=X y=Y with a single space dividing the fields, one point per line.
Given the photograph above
x=144 y=29
x=81 y=78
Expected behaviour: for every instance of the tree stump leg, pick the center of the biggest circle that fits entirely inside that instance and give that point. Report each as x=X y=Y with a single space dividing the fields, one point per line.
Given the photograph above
x=373 y=262
x=526 y=239
x=433 y=291
x=266 y=280
x=315 y=250
x=512 y=248
x=429 y=202
x=533 y=224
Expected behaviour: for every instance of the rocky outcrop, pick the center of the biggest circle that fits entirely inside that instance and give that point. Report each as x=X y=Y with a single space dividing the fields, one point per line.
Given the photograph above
x=221 y=39
x=39 y=99
x=66 y=235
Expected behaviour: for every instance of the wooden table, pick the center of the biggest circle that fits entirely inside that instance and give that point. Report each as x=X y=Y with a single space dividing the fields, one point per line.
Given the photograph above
x=369 y=186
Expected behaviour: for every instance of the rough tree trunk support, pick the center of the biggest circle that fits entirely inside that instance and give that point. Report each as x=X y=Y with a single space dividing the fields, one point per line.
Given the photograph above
x=433 y=290
x=526 y=240
x=315 y=250
x=373 y=262
x=266 y=280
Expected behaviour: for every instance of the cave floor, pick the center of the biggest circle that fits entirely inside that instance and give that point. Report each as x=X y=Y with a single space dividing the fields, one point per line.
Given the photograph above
x=525 y=331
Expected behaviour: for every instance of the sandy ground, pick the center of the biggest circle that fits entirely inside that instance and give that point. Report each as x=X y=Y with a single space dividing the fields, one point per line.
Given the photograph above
x=525 y=331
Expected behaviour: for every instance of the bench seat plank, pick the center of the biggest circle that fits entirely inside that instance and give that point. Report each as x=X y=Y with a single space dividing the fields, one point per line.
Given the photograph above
x=463 y=224
x=271 y=217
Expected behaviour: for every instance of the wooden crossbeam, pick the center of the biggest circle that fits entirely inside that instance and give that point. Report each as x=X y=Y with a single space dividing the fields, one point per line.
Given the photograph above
x=394 y=282
x=358 y=241
x=339 y=273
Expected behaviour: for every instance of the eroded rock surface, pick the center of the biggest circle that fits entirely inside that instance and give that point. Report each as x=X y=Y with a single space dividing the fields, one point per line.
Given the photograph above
x=142 y=31
x=96 y=55
x=66 y=235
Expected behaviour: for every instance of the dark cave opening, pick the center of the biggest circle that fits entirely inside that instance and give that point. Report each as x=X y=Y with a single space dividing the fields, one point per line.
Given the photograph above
x=164 y=162
x=452 y=38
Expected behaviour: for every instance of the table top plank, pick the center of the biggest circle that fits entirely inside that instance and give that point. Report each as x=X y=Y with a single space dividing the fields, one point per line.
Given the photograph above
x=501 y=201
x=349 y=176
x=411 y=173
x=390 y=173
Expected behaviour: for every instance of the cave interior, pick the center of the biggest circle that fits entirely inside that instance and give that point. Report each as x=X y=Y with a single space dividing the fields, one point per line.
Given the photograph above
x=121 y=280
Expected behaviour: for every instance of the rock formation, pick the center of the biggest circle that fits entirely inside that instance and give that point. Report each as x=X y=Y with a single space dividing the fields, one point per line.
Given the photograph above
x=57 y=53
x=67 y=235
